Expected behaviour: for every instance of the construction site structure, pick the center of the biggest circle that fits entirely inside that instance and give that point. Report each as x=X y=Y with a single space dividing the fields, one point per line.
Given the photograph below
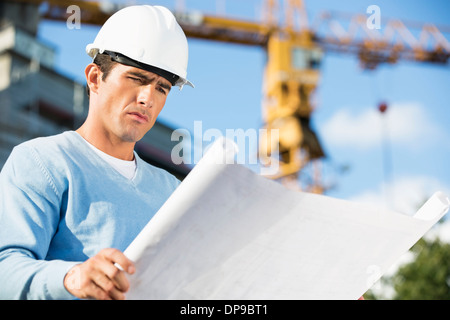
x=294 y=49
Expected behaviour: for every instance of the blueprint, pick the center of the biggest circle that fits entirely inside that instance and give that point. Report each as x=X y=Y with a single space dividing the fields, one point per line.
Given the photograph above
x=229 y=233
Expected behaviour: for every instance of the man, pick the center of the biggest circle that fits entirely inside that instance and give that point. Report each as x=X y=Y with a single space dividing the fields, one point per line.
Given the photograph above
x=71 y=203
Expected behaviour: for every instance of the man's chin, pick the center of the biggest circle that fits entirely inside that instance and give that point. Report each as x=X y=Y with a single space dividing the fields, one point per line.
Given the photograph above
x=131 y=137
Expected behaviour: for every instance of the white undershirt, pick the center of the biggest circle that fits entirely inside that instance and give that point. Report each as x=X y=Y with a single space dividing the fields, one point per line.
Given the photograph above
x=124 y=167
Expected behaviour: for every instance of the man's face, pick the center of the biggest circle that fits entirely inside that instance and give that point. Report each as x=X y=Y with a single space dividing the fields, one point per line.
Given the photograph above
x=129 y=101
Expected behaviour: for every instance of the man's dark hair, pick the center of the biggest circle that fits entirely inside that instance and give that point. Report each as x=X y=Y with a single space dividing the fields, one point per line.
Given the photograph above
x=105 y=64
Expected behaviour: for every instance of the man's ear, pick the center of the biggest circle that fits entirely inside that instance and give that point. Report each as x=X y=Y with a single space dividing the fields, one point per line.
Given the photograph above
x=93 y=77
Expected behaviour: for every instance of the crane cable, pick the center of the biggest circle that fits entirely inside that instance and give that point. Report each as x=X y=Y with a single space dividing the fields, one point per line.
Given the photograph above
x=386 y=149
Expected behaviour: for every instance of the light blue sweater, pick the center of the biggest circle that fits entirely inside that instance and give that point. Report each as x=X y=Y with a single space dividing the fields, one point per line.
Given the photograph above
x=60 y=203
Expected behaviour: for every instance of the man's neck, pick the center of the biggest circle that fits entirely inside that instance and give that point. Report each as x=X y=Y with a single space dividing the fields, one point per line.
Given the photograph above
x=109 y=144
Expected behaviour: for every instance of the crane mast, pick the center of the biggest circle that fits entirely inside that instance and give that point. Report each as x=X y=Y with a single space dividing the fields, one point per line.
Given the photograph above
x=294 y=52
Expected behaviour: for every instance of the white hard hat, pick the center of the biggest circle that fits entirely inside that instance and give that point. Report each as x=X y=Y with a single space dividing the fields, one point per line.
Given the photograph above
x=147 y=37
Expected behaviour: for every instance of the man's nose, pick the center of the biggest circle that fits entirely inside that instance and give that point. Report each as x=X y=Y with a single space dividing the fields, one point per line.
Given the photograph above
x=146 y=95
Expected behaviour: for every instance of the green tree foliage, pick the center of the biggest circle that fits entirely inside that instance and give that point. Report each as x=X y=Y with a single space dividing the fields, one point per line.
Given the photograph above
x=428 y=276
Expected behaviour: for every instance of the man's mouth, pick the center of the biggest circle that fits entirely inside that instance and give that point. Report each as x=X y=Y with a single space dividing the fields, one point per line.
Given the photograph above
x=142 y=118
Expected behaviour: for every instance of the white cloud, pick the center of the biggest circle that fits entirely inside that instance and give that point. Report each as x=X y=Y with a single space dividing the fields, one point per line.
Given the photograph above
x=405 y=123
x=405 y=195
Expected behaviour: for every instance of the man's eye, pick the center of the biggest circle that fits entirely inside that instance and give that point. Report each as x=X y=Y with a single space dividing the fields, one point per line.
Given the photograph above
x=135 y=79
x=162 y=90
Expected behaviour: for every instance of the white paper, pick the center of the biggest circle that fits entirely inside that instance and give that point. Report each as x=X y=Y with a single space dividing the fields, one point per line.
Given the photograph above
x=228 y=233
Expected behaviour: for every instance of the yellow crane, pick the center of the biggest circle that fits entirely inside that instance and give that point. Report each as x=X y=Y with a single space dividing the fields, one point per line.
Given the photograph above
x=294 y=52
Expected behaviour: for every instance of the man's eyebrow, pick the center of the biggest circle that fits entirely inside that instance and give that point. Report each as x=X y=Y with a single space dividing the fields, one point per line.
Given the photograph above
x=148 y=79
x=138 y=74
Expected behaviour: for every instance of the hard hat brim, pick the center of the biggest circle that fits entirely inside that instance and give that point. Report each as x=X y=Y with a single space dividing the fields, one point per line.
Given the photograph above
x=174 y=79
x=120 y=58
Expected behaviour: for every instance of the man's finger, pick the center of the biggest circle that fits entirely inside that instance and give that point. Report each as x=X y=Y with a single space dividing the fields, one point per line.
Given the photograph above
x=117 y=257
x=98 y=293
x=107 y=275
x=116 y=276
x=109 y=288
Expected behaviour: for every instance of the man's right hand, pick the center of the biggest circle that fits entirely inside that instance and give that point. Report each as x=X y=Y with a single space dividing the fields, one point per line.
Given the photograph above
x=99 y=278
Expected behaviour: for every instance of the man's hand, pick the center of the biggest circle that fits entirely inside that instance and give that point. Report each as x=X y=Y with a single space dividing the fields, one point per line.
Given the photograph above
x=99 y=278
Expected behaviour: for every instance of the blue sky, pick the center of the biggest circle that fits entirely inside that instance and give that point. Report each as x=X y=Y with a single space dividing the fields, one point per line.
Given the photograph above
x=228 y=95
